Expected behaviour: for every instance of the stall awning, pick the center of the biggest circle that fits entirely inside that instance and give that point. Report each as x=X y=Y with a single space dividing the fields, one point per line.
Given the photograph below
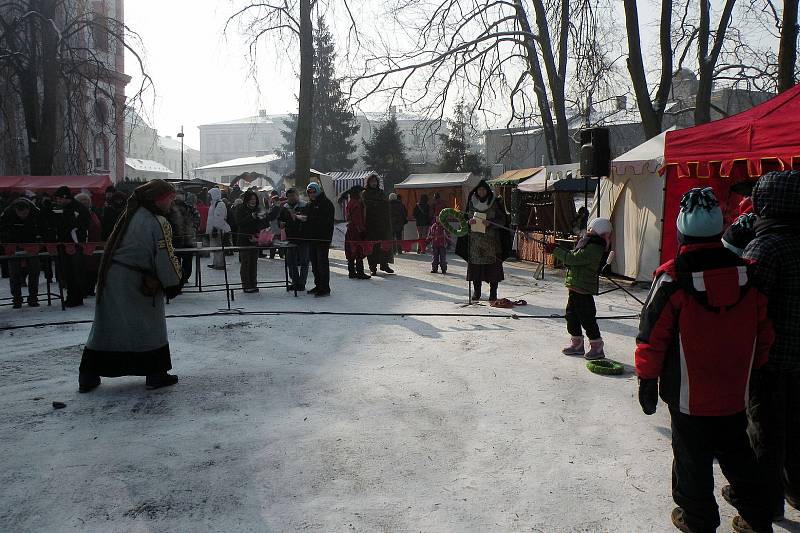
x=432 y=181
x=561 y=178
x=513 y=177
x=51 y=183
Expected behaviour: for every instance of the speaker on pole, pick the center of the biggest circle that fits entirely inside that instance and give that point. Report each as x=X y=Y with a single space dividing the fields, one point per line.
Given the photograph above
x=595 y=152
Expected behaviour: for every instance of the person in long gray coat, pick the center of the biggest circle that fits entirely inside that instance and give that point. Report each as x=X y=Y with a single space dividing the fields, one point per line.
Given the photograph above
x=138 y=269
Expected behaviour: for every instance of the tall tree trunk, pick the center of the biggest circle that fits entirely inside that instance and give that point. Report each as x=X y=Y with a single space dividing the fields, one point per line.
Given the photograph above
x=302 y=140
x=707 y=59
x=652 y=112
x=539 y=87
x=787 y=55
x=557 y=81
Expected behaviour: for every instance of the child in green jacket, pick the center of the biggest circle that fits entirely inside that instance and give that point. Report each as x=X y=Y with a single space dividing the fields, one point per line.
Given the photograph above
x=584 y=264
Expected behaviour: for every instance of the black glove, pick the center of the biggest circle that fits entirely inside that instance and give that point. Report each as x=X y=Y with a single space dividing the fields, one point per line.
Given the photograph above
x=648 y=395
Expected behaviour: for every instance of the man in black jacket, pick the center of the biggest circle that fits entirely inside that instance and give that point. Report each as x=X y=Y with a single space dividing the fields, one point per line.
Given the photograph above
x=297 y=259
x=19 y=223
x=70 y=224
x=318 y=229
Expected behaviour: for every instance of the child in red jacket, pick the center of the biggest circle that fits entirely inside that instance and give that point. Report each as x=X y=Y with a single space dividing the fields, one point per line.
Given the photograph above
x=439 y=240
x=703 y=330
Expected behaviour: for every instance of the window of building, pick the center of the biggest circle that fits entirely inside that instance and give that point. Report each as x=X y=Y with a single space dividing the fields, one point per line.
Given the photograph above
x=101 y=152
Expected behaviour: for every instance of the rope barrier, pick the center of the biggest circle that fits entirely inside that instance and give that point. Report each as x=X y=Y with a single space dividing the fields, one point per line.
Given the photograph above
x=238 y=312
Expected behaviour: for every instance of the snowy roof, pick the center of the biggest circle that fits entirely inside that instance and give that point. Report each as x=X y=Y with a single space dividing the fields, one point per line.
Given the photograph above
x=450 y=179
x=257 y=119
x=242 y=161
x=174 y=144
x=146 y=165
x=514 y=176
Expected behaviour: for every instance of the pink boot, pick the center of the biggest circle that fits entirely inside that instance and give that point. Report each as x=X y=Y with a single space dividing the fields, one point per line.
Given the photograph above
x=576 y=348
x=595 y=350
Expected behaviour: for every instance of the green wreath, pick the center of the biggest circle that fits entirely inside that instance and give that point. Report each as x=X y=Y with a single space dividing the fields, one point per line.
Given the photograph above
x=447 y=215
x=606 y=367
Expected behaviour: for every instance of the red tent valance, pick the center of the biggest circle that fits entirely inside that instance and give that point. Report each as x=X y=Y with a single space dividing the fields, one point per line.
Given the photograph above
x=49 y=184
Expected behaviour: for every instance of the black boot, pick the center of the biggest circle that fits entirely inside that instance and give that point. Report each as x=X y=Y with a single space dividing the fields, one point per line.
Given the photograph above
x=87 y=383
x=351 y=270
x=385 y=267
x=157 y=381
x=476 y=294
x=360 y=271
x=493 y=291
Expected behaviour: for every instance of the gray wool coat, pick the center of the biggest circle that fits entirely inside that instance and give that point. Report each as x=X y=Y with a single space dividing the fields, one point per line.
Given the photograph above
x=125 y=320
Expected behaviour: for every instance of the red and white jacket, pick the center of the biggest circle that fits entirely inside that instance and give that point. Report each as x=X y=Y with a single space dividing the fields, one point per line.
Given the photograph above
x=703 y=330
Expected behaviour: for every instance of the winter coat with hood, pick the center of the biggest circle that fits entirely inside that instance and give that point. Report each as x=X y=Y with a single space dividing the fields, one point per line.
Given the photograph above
x=248 y=222
x=69 y=223
x=320 y=213
x=217 y=213
x=14 y=229
x=494 y=245
x=399 y=216
x=377 y=214
x=776 y=252
x=686 y=338
x=583 y=264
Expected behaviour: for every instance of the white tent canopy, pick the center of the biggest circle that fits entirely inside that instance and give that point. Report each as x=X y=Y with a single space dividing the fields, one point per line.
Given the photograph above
x=431 y=181
x=633 y=199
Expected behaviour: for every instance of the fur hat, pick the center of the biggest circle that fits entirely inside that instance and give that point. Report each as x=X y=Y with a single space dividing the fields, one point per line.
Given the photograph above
x=63 y=192
x=700 y=216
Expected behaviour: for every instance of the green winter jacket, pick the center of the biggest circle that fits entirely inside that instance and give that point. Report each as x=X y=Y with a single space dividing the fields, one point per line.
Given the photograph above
x=583 y=264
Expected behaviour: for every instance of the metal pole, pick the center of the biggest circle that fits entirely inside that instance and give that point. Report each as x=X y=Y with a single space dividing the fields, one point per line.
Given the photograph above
x=181 y=136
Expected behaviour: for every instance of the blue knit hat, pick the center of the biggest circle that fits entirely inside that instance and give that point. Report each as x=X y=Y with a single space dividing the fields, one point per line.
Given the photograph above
x=313 y=186
x=700 y=215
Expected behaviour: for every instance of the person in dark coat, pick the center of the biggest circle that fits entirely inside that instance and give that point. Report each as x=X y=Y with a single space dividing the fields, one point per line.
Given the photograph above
x=422 y=217
x=318 y=227
x=184 y=220
x=354 y=213
x=94 y=234
x=20 y=223
x=111 y=213
x=296 y=260
x=399 y=220
x=377 y=218
x=70 y=225
x=485 y=251
x=704 y=336
x=774 y=407
x=249 y=222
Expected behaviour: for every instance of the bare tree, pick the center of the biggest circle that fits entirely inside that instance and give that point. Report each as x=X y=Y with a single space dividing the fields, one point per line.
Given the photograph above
x=515 y=50
x=57 y=85
x=709 y=47
x=289 y=22
x=787 y=51
x=651 y=109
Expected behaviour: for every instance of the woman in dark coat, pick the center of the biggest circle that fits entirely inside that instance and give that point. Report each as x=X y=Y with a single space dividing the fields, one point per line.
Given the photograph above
x=485 y=252
x=249 y=222
x=422 y=216
x=377 y=215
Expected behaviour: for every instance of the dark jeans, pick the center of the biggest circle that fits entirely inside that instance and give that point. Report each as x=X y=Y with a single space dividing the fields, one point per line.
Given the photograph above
x=71 y=274
x=696 y=442
x=248 y=269
x=439 y=258
x=297 y=263
x=320 y=265
x=16 y=276
x=581 y=312
x=774 y=412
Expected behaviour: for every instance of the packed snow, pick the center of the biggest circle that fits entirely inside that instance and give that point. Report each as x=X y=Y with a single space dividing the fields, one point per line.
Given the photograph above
x=340 y=423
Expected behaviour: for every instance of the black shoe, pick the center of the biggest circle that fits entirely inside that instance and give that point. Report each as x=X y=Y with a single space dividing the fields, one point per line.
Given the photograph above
x=361 y=275
x=352 y=275
x=158 y=381
x=313 y=291
x=434 y=271
x=322 y=294
x=73 y=303
x=492 y=296
x=88 y=383
x=33 y=303
x=387 y=269
x=17 y=304
x=250 y=291
x=679 y=520
x=444 y=272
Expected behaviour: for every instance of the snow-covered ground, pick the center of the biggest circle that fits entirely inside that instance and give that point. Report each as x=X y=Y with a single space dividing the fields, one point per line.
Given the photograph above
x=339 y=423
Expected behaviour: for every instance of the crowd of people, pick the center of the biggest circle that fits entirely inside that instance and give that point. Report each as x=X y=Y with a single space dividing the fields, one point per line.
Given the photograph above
x=718 y=340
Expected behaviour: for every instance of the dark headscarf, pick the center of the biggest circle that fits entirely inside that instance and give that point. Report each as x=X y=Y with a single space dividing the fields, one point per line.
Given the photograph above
x=144 y=196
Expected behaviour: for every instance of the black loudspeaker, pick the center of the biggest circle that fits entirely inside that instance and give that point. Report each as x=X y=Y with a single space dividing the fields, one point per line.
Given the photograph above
x=595 y=152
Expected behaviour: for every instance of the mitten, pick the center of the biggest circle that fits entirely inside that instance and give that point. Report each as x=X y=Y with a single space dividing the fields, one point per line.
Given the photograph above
x=648 y=395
